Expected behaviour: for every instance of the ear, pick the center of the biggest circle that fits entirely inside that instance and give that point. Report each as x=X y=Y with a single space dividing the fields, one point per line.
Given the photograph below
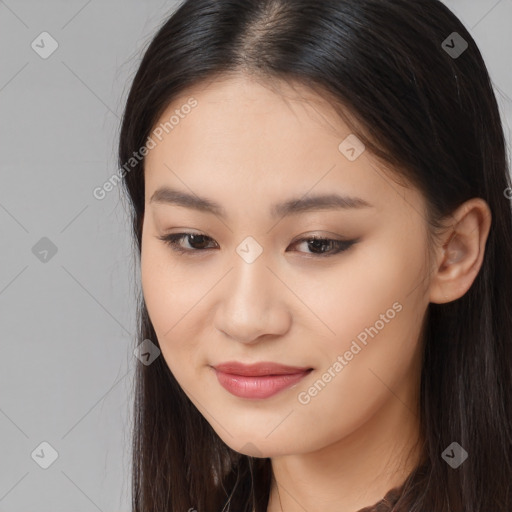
x=460 y=257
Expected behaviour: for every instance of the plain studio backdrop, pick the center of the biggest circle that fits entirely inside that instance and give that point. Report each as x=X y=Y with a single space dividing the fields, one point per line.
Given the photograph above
x=67 y=287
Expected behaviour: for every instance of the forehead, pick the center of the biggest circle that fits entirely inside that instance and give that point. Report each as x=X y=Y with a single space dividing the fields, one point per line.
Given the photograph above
x=251 y=140
x=250 y=116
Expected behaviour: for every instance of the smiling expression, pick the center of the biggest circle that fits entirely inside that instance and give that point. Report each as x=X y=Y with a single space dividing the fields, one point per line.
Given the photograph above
x=235 y=196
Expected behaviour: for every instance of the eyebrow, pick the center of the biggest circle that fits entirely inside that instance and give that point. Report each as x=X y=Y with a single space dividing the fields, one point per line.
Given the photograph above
x=166 y=195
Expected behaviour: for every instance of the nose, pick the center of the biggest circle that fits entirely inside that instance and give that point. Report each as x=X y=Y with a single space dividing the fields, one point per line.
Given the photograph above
x=252 y=303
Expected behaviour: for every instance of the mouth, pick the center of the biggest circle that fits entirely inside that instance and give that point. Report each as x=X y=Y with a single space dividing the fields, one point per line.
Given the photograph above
x=259 y=369
x=261 y=380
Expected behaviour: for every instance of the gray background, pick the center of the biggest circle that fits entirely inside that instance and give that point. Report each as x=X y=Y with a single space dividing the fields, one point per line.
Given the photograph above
x=67 y=323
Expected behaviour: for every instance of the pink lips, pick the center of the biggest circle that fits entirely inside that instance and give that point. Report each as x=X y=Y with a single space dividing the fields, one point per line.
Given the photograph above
x=260 y=380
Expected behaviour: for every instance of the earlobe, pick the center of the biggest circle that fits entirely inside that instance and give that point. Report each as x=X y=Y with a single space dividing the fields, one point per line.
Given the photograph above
x=461 y=256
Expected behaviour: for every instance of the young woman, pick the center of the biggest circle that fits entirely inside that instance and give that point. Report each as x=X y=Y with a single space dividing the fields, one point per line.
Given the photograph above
x=321 y=206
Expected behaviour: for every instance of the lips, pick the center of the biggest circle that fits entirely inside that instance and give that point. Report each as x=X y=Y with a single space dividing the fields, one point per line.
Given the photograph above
x=260 y=380
x=259 y=369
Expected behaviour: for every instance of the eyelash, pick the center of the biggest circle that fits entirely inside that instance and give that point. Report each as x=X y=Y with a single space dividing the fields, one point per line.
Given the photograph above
x=173 y=240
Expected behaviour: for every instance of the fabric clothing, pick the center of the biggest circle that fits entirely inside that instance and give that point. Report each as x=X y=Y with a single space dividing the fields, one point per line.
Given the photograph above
x=387 y=503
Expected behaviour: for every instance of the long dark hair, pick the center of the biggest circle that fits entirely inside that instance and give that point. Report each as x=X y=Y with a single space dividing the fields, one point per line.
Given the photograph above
x=432 y=116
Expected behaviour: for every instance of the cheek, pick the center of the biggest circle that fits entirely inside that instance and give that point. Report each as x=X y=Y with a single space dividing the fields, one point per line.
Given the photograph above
x=155 y=286
x=168 y=288
x=162 y=290
x=173 y=296
x=369 y=364
x=366 y=289
x=372 y=318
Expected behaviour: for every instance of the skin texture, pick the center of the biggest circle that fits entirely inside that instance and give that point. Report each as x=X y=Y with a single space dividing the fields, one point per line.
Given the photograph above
x=247 y=145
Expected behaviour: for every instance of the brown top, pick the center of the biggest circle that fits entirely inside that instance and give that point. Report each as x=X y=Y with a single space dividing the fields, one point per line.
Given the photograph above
x=386 y=504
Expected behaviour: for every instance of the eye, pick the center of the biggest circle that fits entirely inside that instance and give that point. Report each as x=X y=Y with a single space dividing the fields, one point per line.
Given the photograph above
x=318 y=244
x=321 y=247
x=193 y=239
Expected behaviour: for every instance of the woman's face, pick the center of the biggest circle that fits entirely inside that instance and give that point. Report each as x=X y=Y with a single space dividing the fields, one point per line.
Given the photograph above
x=254 y=287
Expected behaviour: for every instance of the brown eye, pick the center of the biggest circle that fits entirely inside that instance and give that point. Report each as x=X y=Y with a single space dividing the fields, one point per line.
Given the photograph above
x=196 y=242
x=325 y=246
